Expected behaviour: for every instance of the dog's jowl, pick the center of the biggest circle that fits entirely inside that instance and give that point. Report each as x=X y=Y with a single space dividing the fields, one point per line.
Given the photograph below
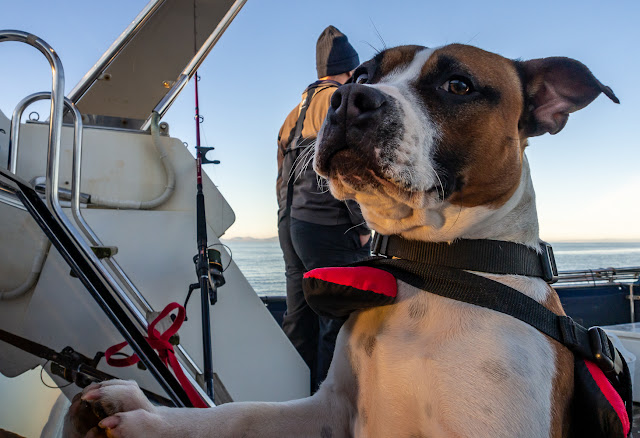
x=431 y=142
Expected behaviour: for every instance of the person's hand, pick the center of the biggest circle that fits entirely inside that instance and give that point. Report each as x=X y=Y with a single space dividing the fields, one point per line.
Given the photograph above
x=364 y=238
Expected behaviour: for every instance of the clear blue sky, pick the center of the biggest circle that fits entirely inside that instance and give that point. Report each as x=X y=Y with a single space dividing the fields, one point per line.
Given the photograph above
x=586 y=177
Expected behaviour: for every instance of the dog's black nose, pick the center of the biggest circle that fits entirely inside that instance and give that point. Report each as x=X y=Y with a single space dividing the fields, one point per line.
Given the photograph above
x=356 y=116
x=355 y=103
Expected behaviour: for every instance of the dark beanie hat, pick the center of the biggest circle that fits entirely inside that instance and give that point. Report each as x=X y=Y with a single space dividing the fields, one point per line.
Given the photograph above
x=334 y=54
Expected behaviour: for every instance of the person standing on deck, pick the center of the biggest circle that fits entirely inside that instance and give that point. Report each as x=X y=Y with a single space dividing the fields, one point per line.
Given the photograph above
x=315 y=229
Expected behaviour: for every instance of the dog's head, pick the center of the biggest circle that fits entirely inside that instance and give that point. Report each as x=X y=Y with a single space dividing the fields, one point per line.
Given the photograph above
x=430 y=142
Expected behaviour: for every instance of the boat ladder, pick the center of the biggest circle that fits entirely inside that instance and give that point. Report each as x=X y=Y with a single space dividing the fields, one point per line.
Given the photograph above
x=89 y=259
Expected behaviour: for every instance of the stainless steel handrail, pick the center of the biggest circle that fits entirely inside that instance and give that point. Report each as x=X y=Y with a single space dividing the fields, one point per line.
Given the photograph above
x=599 y=276
x=91 y=236
x=124 y=279
x=57 y=99
x=191 y=68
x=9 y=197
x=115 y=48
x=51 y=189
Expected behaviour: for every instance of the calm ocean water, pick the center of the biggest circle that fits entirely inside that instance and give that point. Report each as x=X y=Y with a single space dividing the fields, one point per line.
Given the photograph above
x=262 y=264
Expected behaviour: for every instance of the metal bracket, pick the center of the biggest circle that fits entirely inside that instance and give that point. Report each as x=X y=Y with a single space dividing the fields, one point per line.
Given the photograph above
x=203 y=151
x=548 y=261
x=103 y=252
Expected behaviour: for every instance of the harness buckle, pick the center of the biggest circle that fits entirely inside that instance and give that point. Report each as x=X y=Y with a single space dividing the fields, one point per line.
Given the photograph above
x=605 y=355
x=379 y=245
x=548 y=262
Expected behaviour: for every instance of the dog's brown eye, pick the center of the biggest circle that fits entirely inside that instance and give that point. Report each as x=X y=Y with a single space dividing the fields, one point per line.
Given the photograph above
x=458 y=86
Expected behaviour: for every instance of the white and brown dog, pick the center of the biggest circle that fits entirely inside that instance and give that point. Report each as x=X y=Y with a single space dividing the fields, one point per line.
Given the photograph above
x=431 y=144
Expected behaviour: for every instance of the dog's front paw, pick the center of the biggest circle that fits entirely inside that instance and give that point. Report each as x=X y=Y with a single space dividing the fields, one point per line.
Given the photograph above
x=114 y=396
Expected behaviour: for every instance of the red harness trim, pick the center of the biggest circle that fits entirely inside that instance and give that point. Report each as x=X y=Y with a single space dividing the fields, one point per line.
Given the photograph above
x=359 y=277
x=610 y=394
x=160 y=343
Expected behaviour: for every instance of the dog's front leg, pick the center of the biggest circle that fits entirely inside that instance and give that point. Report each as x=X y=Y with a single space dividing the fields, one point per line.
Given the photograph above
x=322 y=415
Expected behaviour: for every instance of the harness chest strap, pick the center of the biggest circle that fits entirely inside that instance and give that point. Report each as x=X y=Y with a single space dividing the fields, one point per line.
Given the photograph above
x=483 y=255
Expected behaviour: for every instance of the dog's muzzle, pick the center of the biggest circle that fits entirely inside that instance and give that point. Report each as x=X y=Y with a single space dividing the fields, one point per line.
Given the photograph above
x=352 y=121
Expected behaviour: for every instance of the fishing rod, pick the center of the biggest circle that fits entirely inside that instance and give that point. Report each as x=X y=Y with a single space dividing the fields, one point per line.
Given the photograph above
x=208 y=261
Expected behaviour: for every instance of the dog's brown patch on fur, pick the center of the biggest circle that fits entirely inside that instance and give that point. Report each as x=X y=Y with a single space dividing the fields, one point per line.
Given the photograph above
x=417 y=308
x=495 y=371
x=484 y=134
x=563 y=380
x=364 y=417
x=389 y=60
x=428 y=410
x=367 y=343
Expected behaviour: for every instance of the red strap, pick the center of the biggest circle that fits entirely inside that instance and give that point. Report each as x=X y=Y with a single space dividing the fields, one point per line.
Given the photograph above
x=160 y=342
x=610 y=394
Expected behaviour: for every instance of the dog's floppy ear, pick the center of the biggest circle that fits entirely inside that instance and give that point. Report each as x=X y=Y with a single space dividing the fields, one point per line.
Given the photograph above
x=554 y=88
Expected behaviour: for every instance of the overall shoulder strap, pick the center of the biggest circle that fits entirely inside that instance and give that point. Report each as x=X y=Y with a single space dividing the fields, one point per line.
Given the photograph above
x=294 y=137
x=296 y=134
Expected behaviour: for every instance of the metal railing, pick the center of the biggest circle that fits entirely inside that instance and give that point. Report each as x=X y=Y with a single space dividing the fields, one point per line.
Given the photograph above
x=53 y=203
x=598 y=276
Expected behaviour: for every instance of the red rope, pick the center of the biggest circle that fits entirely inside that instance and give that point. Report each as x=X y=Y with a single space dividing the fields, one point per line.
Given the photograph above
x=160 y=342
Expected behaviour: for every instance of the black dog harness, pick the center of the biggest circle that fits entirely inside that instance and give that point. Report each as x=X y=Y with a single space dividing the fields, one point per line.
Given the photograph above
x=602 y=402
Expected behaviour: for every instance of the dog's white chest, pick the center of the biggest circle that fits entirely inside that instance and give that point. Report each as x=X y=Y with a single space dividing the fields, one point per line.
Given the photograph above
x=463 y=371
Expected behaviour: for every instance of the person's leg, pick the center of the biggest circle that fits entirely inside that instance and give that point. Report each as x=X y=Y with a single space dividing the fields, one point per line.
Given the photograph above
x=299 y=323
x=320 y=246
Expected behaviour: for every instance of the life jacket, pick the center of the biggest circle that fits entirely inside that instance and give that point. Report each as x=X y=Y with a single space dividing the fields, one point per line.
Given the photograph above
x=602 y=401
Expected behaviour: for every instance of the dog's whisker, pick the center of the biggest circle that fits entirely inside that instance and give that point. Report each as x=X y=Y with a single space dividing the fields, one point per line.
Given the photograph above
x=440 y=183
x=348 y=208
x=322 y=184
x=457 y=217
x=376 y=50
x=302 y=161
x=384 y=45
x=324 y=188
x=473 y=38
x=355 y=226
